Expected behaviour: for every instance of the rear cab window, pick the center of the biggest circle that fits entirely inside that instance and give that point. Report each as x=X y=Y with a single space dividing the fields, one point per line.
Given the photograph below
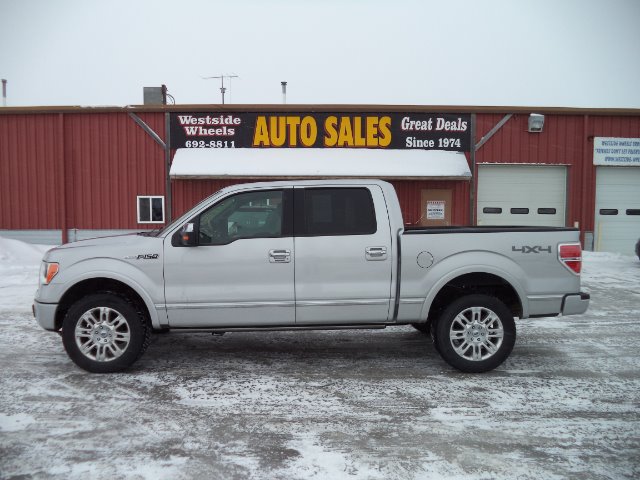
x=335 y=211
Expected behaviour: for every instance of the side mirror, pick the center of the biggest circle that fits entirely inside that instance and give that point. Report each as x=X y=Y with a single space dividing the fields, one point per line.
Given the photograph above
x=187 y=236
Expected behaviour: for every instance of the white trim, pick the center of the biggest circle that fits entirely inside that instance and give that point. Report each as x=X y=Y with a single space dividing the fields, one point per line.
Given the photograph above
x=150 y=197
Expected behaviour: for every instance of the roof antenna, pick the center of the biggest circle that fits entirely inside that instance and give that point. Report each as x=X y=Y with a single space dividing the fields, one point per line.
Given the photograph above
x=222 y=87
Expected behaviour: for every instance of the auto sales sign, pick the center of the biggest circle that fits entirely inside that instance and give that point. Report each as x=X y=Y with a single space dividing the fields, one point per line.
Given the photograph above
x=321 y=130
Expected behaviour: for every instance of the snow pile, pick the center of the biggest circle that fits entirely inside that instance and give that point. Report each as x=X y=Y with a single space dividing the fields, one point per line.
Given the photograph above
x=19 y=267
x=17 y=252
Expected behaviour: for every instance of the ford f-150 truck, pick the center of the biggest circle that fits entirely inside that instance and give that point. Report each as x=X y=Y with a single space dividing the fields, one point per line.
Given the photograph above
x=326 y=254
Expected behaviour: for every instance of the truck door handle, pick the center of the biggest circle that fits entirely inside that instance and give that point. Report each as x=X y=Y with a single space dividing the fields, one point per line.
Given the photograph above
x=375 y=253
x=279 y=256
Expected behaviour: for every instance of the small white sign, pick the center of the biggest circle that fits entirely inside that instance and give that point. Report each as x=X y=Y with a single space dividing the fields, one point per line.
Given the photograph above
x=435 y=210
x=618 y=152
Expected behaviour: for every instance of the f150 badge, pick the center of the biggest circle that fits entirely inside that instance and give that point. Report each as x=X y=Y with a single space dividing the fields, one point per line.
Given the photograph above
x=143 y=256
x=528 y=249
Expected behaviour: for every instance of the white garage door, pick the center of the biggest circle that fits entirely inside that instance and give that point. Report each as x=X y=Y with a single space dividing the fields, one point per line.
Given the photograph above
x=617 y=227
x=522 y=195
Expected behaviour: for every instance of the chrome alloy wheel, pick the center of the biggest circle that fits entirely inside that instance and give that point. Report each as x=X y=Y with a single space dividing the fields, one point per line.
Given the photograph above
x=476 y=333
x=102 y=334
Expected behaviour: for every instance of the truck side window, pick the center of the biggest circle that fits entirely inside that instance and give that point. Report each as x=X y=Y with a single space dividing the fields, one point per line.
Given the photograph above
x=245 y=215
x=338 y=211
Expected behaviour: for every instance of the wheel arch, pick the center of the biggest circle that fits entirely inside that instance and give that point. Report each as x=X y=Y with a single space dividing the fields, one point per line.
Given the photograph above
x=95 y=284
x=472 y=281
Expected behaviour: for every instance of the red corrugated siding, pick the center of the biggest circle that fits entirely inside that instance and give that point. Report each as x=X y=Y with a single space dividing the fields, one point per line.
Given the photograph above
x=99 y=162
x=102 y=161
x=409 y=193
x=186 y=193
x=29 y=177
x=111 y=160
x=565 y=140
x=559 y=143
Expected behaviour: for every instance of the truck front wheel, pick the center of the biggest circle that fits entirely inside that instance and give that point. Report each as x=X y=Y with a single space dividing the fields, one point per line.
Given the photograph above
x=105 y=333
x=476 y=333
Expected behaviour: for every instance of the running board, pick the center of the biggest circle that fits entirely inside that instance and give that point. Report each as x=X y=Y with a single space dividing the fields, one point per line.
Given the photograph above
x=278 y=329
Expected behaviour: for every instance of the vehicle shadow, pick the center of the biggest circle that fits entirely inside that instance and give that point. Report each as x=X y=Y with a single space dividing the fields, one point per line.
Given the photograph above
x=395 y=347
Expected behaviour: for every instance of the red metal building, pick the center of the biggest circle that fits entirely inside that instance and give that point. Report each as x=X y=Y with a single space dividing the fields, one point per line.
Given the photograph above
x=68 y=172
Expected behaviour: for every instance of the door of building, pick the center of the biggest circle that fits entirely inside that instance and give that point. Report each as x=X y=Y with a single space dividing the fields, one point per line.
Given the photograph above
x=522 y=195
x=617 y=226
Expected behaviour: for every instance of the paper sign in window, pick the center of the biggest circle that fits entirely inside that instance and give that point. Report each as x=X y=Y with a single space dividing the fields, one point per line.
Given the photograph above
x=435 y=210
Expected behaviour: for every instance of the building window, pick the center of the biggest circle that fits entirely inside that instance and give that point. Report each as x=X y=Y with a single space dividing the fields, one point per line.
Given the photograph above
x=608 y=211
x=546 y=211
x=150 y=209
x=519 y=211
x=491 y=210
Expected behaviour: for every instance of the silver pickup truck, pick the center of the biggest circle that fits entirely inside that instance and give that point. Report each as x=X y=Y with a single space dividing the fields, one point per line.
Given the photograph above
x=326 y=254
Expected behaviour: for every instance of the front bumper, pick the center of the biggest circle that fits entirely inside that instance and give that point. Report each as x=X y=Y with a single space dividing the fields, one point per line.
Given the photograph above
x=575 y=304
x=45 y=314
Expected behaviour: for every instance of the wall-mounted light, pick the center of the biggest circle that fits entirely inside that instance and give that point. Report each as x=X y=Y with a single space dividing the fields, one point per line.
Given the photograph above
x=536 y=122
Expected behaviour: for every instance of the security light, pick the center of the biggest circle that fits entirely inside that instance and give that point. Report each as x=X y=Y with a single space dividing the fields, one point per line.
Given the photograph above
x=536 y=122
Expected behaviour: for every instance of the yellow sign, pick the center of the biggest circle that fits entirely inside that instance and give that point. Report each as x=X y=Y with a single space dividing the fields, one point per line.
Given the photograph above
x=342 y=131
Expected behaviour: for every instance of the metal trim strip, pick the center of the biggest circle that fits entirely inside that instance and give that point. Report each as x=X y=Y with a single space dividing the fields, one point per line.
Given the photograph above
x=200 y=306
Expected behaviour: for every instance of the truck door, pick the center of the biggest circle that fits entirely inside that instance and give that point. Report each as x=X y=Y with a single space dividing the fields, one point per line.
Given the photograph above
x=343 y=255
x=241 y=272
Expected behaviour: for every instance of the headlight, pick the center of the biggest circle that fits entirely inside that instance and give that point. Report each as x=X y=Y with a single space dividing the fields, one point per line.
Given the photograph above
x=47 y=272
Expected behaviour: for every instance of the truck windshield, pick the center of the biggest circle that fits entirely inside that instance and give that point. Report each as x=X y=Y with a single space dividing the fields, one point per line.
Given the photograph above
x=182 y=219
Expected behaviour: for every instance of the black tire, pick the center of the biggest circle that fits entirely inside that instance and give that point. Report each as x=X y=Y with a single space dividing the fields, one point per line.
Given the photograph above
x=460 y=328
x=423 y=327
x=112 y=330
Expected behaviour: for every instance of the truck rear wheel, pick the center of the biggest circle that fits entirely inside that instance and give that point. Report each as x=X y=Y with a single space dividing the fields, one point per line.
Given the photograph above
x=476 y=333
x=105 y=333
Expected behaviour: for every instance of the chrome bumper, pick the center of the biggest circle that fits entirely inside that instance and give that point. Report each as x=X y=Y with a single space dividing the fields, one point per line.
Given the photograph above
x=575 y=304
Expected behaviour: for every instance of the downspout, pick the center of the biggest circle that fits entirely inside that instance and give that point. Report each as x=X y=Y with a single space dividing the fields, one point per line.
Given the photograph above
x=587 y=167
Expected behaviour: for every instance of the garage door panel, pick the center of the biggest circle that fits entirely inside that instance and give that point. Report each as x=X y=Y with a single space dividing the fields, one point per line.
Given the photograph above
x=617 y=191
x=522 y=187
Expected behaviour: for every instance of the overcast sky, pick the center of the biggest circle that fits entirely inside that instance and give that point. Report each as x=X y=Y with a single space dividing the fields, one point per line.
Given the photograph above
x=582 y=53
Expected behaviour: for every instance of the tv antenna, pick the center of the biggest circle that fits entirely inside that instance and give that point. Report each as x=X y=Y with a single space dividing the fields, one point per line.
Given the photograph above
x=222 y=87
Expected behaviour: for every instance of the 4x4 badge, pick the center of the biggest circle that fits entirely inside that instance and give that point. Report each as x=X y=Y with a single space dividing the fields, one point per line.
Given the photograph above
x=534 y=249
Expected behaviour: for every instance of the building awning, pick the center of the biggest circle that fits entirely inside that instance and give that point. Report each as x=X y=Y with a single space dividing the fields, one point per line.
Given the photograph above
x=285 y=163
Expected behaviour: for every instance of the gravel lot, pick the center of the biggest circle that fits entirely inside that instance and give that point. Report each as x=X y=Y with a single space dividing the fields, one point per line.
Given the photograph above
x=350 y=404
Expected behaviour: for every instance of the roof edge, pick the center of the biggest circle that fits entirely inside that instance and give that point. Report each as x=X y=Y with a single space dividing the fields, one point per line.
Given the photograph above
x=347 y=108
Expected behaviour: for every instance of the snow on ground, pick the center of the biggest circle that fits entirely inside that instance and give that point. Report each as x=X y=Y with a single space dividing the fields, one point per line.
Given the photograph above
x=19 y=267
x=356 y=404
